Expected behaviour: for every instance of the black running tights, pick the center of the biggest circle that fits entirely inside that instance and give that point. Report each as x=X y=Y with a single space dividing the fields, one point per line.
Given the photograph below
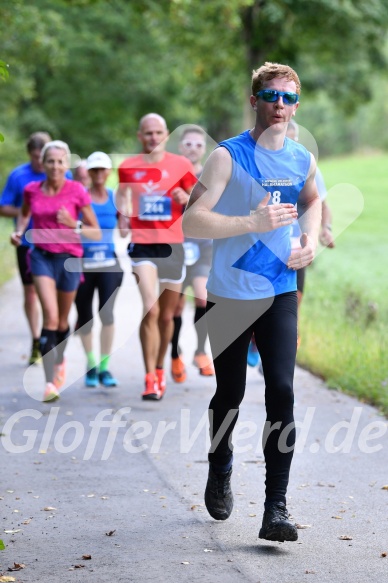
x=274 y=324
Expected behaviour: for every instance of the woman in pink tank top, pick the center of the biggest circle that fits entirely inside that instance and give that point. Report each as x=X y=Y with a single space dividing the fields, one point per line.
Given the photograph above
x=55 y=205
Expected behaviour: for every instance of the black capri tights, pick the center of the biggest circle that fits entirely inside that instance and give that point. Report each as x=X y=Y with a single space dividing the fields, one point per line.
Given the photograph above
x=274 y=324
x=107 y=283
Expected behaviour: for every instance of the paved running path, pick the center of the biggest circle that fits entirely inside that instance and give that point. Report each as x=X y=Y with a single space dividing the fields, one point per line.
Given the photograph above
x=143 y=476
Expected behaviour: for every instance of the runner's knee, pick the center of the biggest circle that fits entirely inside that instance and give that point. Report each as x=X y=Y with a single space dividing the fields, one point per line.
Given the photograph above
x=30 y=294
x=106 y=317
x=84 y=328
x=151 y=311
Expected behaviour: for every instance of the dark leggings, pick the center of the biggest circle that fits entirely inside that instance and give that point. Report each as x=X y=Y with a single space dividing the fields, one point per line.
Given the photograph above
x=274 y=324
x=107 y=283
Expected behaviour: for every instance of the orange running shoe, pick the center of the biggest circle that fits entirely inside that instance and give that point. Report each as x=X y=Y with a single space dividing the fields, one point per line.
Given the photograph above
x=51 y=393
x=204 y=363
x=178 y=370
x=151 y=392
x=161 y=378
x=59 y=374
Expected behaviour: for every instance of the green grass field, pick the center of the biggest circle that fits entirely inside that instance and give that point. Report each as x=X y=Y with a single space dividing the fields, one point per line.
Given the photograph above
x=344 y=315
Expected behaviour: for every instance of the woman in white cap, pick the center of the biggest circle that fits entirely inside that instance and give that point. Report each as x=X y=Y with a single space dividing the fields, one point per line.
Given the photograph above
x=102 y=271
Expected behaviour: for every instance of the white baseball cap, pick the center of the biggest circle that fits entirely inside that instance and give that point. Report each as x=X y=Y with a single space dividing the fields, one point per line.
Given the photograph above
x=98 y=160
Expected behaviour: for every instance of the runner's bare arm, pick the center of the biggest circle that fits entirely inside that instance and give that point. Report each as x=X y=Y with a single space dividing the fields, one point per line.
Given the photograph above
x=22 y=221
x=326 y=236
x=123 y=212
x=310 y=206
x=200 y=221
x=123 y=225
x=309 y=216
x=180 y=195
x=122 y=199
x=91 y=229
x=8 y=210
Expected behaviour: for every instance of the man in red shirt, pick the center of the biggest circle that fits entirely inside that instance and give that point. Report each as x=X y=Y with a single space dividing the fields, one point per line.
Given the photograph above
x=160 y=184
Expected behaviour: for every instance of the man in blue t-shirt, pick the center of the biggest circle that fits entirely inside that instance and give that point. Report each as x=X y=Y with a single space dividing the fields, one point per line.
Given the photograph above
x=10 y=203
x=245 y=201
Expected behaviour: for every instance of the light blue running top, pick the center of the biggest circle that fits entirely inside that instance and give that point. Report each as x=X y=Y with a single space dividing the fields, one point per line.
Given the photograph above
x=253 y=266
x=101 y=253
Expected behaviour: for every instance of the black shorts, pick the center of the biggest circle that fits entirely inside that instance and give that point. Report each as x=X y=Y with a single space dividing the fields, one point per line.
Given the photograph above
x=168 y=259
x=107 y=283
x=23 y=258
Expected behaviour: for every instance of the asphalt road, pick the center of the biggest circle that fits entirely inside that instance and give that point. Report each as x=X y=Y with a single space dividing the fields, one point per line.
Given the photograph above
x=101 y=473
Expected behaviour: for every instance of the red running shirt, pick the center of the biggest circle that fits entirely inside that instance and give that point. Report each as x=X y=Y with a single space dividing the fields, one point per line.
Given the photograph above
x=156 y=216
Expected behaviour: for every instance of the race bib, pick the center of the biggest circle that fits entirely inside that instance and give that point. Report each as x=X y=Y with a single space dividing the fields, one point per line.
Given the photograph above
x=155 y=207
x=192 y=252
x=98 y=256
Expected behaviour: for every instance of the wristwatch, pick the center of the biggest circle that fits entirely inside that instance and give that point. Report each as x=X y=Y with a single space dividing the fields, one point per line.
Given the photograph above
x=78 y=228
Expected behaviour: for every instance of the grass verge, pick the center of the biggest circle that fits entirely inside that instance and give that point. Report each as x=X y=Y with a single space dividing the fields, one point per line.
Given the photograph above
x=344 y=314
x=7 y=251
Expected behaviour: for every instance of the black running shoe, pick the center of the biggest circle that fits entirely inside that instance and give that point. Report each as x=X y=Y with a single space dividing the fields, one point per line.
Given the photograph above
x=218 y=495
x=276 y=524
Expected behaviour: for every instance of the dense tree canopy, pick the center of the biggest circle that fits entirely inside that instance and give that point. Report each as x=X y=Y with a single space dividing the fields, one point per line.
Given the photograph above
x=87 y=70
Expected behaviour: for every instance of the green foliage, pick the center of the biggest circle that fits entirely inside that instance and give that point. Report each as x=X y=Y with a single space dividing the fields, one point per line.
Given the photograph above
x=208 y=36
x=87 y=70
x=333 y=45
x=4 y=76
x=344 y=313
x=29 y=39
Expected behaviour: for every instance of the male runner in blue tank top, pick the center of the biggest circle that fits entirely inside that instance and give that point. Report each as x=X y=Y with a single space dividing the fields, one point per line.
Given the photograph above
x=245 y=201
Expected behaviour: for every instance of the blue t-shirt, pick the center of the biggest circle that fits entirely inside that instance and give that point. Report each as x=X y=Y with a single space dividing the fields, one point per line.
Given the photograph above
x=18 y=179
x=254 y=265
x=102 y=253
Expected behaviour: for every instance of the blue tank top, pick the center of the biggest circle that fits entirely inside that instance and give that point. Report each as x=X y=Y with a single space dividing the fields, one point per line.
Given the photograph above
x=102 y=253
x=254 y=265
